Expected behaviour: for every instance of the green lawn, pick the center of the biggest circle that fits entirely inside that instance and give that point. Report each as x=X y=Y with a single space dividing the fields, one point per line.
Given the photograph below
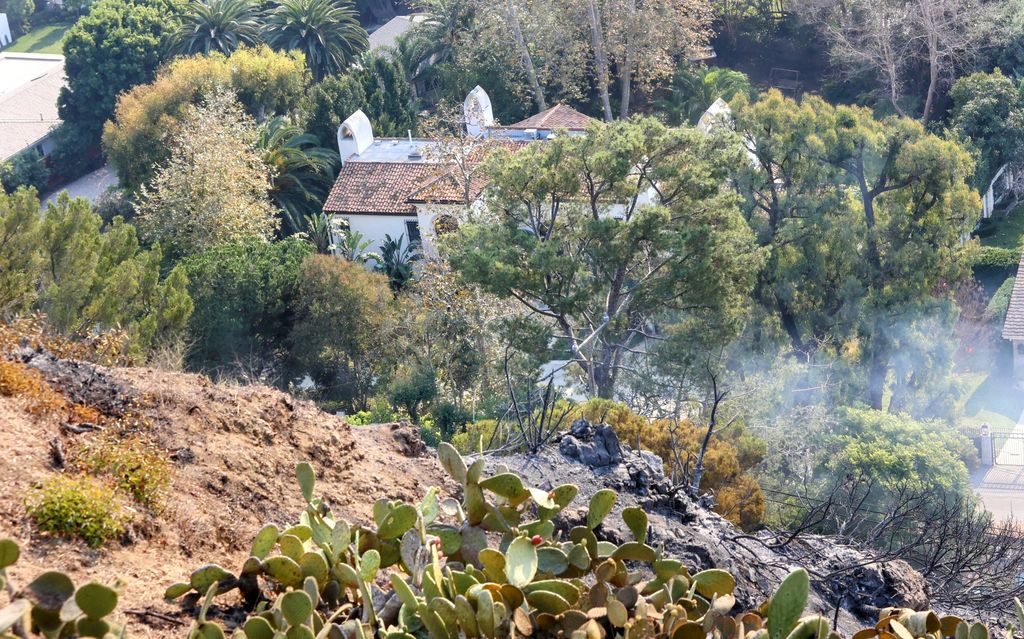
x=1009 y=230
x=992 y=399
x=45 y=39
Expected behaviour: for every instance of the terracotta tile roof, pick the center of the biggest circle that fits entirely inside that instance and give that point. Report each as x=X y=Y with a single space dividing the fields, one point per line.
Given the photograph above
x=1013 y=326
x=559 y=116
x=381 y=188
x=391 y=187
x=448 y=189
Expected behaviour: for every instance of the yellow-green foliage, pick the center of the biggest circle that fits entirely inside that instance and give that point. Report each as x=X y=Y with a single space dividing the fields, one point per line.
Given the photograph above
x=476 y=437
x=728 y=458
x=78 y=506
x=26 y=383
x=136 y=466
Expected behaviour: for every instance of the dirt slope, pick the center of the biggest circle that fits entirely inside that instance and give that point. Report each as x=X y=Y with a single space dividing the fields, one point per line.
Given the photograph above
x=234 y=450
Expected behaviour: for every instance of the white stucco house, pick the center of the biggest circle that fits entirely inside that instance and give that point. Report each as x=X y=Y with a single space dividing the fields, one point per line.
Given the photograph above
x=402 y=186
x=29 y=87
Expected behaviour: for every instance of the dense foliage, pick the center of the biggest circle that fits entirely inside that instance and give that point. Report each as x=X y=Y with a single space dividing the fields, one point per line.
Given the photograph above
x=86 y=278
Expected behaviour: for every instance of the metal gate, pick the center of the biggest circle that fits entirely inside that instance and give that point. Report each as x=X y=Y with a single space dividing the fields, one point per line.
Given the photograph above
x=1008 y=449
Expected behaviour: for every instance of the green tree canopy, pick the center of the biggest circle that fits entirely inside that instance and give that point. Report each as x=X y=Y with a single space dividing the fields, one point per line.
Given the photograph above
x=215 y=186
x=862 y=219
x=344 y=329
x=243 y=293
x=610 y=234
x=988 y=111
x=116 y=46
x=327 y=32
x=265 y=82
x=217 y=26
x=87 y=278
x=377 y=86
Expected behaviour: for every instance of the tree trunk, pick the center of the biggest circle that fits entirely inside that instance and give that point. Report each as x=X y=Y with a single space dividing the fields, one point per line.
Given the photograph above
x=524 y=54
x=600 y=58
x=933 y=76
x=626 y=69
x=878 y=369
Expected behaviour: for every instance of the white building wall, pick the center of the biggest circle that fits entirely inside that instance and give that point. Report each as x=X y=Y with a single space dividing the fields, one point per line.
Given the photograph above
x=375 y=227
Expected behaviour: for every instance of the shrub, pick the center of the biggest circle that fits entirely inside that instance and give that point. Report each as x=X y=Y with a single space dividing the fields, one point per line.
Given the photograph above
x=994 y=257
x=450 y=419
x=107 y=348
x=996 y=308
x=22 y=381
x=380 y=412
x=729 y=456
x=477 y=436
x=136 y=466
x=413 y=387
x=78 y=506
x=26 y=169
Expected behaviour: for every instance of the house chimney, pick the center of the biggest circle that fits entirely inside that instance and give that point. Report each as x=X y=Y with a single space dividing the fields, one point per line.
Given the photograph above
x=355 y=135
x=477 y=111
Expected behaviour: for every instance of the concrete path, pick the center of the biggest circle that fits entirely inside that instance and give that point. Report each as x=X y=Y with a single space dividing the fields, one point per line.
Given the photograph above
x=1001 y=487
x=90 y=186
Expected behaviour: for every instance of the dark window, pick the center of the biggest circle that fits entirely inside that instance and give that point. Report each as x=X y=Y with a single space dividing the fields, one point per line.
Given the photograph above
x=412 y=232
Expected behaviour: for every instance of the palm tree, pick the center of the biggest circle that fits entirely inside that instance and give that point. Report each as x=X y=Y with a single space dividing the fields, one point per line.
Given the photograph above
x=396 y=261
x=326 y=31
x=217 y=25
x=694 y=90
x=302 y=171
x=434 y=40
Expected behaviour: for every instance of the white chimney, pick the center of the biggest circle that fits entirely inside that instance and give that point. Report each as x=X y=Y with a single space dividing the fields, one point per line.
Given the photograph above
x=355 y=135
x=477 y=111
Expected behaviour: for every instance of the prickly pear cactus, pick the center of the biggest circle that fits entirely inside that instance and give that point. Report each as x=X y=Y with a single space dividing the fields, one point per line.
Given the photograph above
x=51 y=606
x=492 y=565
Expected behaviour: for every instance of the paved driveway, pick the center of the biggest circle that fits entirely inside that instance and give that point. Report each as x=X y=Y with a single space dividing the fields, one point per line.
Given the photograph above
x=1001 y=487
x=90 y=186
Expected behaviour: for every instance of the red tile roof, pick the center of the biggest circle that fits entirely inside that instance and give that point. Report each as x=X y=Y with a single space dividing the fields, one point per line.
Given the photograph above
x=448 y=189
x=381 y=188
x=1013 y=325
x=557 y=117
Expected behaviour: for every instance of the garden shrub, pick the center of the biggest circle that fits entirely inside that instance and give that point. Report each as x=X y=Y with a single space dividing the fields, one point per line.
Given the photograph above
x=136 y=466
x=996 y=308
x=79 y=506
x=729 y=456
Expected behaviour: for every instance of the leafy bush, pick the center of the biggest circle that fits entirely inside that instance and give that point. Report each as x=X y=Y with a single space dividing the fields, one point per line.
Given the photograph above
x=136 y=466
x=995 y=257
x=22 y=381
x=729 y=456
x=477 y=436
x=25 y=169
x=492 y=566
x=51 y=605
x=450 y=419
x=78 y=506
x=430 y=435
x=380 y=412
x=996 y=308
x=411 y=388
